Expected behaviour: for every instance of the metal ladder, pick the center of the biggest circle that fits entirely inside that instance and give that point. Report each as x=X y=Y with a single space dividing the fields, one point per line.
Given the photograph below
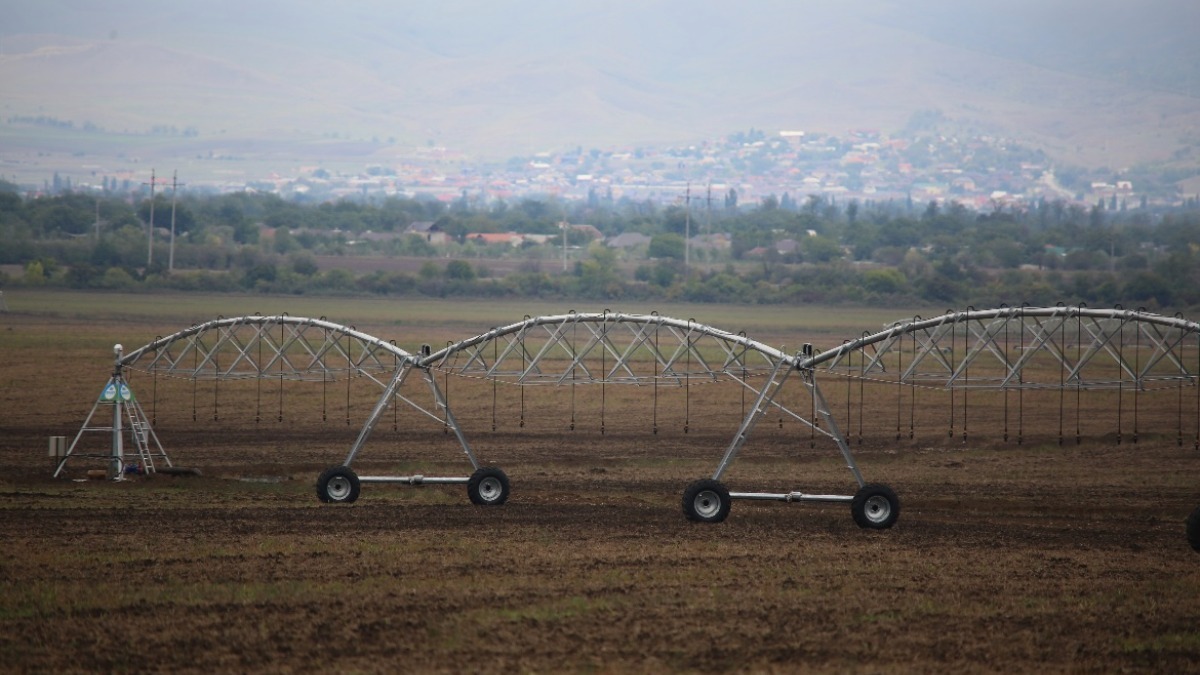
x=139 y=430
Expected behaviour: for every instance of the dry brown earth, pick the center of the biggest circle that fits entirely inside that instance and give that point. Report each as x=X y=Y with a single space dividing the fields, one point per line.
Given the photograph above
x=1031 y=557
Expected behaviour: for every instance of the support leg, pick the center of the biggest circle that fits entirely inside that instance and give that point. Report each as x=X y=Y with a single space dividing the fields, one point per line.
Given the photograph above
x=451 y=421
x=831 y=426
x=389 y=393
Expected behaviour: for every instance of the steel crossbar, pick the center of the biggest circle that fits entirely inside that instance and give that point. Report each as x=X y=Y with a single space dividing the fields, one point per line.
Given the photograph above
x=1004 y=348
x=1104 y=338
x=247 y=347
x=602 y=347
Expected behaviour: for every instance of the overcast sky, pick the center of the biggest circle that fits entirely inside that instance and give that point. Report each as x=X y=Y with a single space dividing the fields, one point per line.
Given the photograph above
x=522 y=74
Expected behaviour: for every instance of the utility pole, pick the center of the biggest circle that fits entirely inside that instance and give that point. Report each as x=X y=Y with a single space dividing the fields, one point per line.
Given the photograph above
x=687 y=230
x=563 y=225
x=171 y=251
x=708 y=220
x=150 y=246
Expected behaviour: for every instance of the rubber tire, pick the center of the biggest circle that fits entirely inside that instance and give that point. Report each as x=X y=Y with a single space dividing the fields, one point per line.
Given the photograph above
x=338 y=485
x=706 y=501
x=1193 y=529
x=488 y=486
x=875 y=507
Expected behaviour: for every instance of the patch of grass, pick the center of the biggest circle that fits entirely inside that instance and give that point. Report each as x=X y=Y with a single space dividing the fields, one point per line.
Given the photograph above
x=893 y=617
x=558 y=609
x=414 y=314
x=1188 y=642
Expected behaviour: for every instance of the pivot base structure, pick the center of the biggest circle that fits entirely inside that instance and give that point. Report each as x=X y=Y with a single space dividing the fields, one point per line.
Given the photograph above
x=134 y=445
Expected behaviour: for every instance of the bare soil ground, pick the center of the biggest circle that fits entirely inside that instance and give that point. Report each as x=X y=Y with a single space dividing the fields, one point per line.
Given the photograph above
x=1037 y=556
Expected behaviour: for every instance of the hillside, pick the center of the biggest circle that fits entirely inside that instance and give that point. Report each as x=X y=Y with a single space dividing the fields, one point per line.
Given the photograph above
x=497 y=79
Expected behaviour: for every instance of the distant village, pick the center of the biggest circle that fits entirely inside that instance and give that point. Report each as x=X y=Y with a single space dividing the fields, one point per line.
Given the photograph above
x=980 y=172
x=790 y=166
x=922 y=215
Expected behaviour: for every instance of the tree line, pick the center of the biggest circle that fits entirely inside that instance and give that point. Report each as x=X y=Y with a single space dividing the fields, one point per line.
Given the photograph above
x=784 y=249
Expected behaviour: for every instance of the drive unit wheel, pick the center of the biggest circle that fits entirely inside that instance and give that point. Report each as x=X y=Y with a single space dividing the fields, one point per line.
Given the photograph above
x=488 y=486
x=875 y=507
x=706 y=501
x=338 y=485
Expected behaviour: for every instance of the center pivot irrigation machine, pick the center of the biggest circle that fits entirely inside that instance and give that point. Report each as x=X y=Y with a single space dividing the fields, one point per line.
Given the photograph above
x=1065 y=349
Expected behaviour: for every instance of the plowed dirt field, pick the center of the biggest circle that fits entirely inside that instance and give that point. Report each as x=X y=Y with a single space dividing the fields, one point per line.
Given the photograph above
x=1007 y=557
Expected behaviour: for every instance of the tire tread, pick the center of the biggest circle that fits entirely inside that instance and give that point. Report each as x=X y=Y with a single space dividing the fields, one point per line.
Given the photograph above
x=689 y=501
x=331 y=473
x=858 y=506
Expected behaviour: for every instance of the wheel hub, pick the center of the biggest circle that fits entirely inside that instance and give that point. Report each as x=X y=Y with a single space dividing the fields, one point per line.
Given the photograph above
x=707 y=503
x=878 y=509
x=489 y=489
x=339 y=487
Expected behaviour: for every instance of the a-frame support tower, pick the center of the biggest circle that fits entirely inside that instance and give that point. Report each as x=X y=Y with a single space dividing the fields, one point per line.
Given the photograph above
x=127 y=424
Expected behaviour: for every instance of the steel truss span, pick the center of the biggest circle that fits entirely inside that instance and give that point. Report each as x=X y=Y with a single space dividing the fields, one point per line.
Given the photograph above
x=281 y=346
x=1008 y=347
x=1071 y=347
x=247 y=347
x=632 y=349
x=605 y=347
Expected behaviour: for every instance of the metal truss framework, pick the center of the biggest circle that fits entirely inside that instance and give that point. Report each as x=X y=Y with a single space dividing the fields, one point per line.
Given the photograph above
x=616 y=348
x=249 y=347
x=606 y=347
x=1008 y=347
x=1027 y=347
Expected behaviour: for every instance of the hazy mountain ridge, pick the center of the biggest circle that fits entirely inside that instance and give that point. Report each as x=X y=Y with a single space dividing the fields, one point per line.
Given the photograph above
x=1146 y=45
x=525 y=76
